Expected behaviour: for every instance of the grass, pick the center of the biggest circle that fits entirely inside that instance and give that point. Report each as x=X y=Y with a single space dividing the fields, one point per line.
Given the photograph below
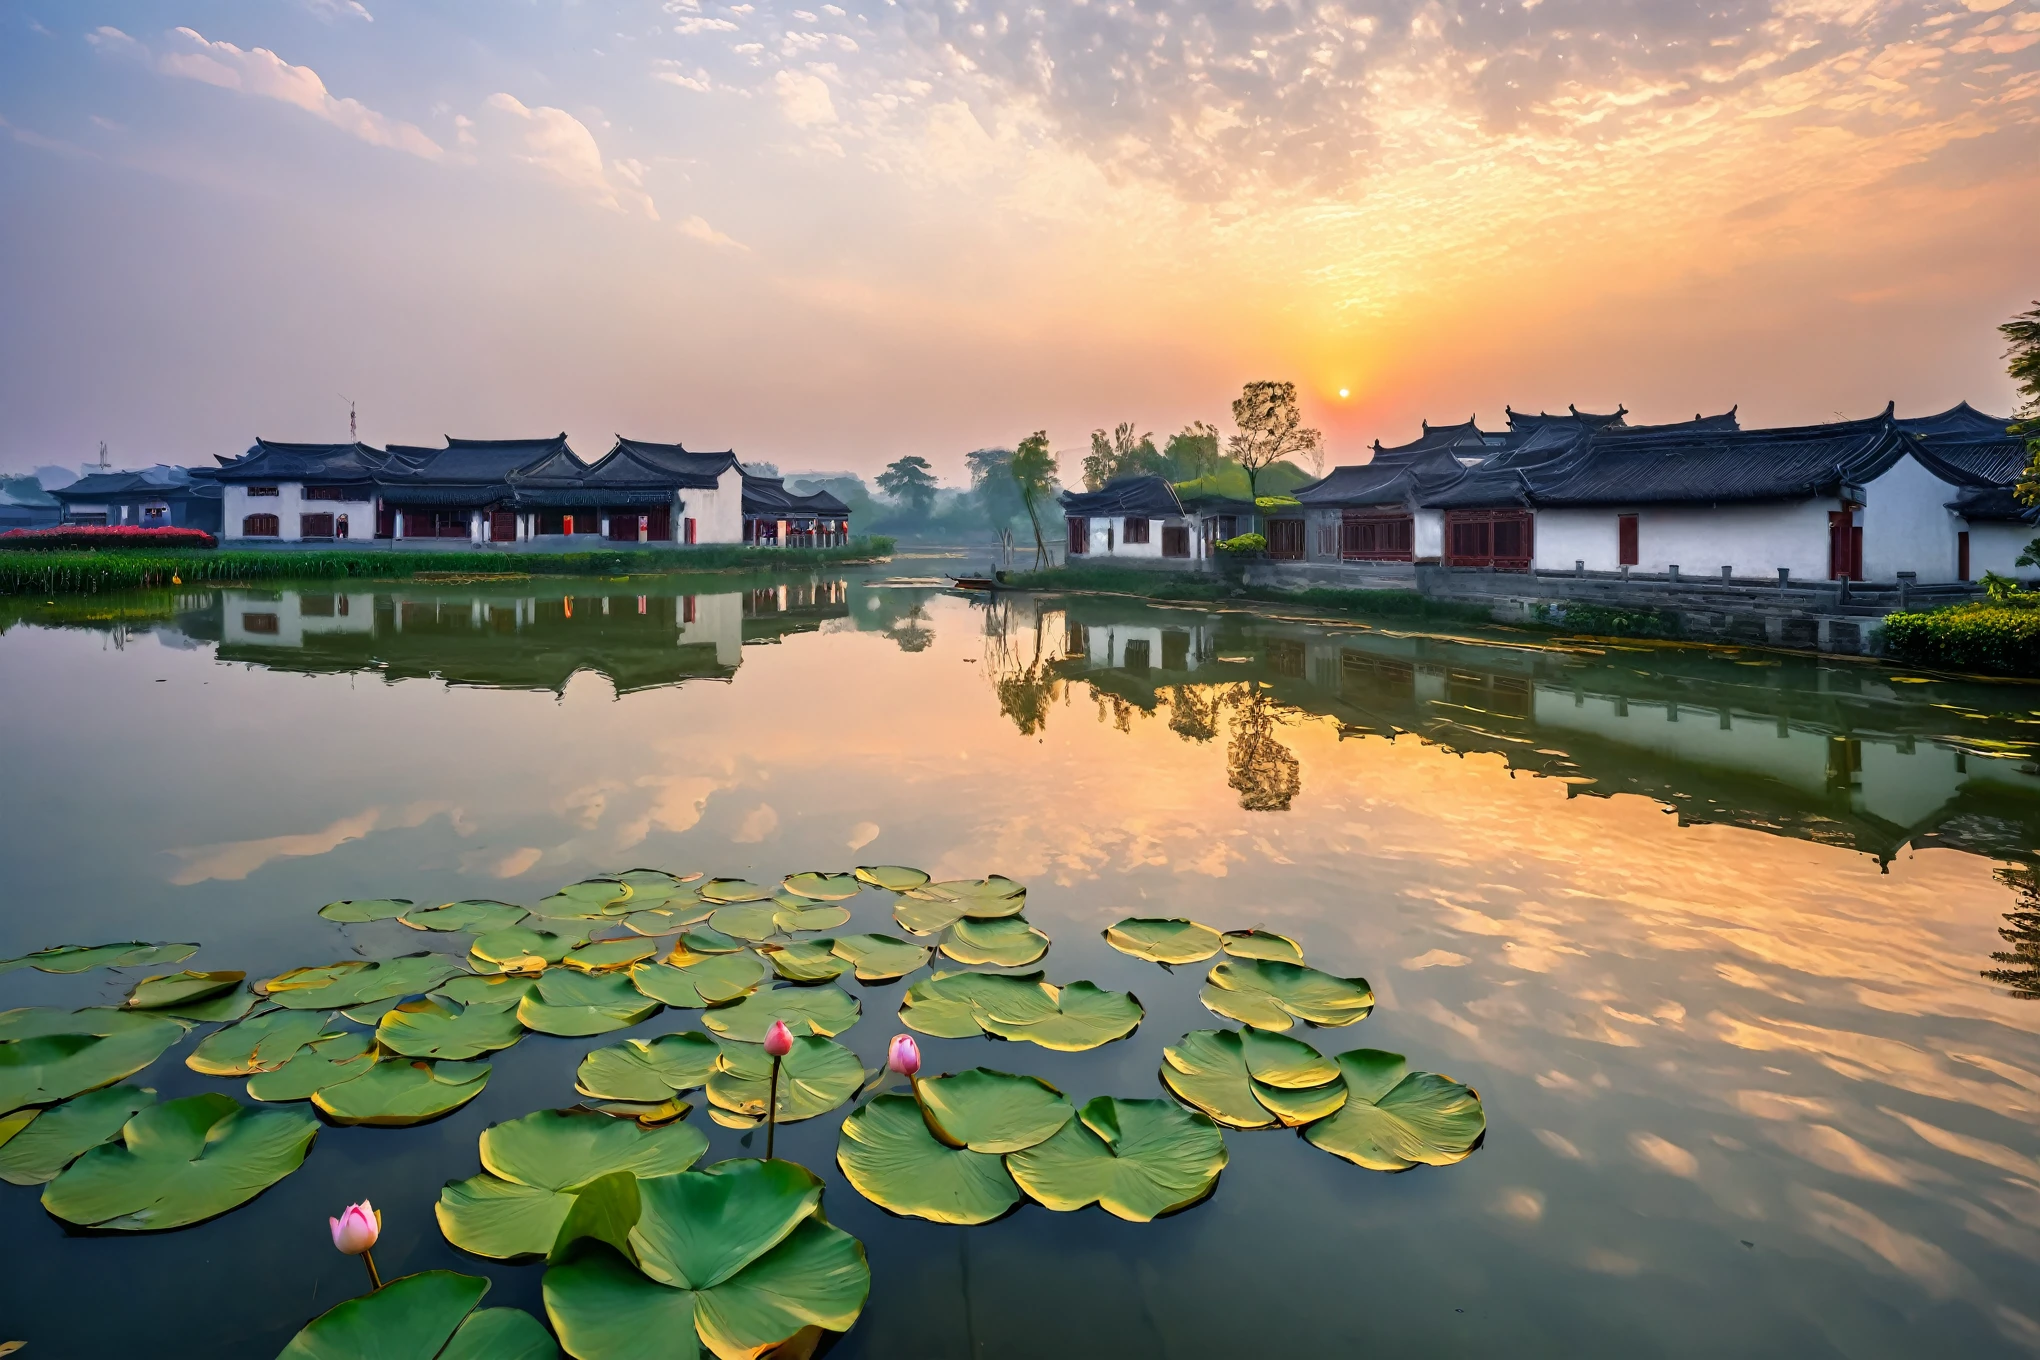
x=89 y=573
x=1199 y=588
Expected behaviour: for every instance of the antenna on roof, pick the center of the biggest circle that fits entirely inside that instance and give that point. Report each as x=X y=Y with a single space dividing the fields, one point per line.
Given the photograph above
x=351 y=437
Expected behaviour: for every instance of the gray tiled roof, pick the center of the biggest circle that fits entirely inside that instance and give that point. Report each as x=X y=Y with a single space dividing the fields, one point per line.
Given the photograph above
x=1145 y=495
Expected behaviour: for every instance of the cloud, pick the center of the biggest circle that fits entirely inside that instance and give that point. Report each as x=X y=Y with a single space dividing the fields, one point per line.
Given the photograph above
x=699 y=229
x=560 y=145
x=861 y=835
x=760 y=822
x=672 y=73
x=235 y=860
x=330 y=10
x=805 y=98
x=260 y=72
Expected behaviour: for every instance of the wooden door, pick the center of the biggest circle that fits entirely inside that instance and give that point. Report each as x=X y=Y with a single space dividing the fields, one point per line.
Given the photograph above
x=502 y=526
x=1626 y=536
x=1080 y=536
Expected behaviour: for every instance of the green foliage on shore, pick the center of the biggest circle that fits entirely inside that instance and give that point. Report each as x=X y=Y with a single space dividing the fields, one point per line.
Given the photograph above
x=1987 y=637
x=1600 y=620
x=1199 y=588
x=89 y=573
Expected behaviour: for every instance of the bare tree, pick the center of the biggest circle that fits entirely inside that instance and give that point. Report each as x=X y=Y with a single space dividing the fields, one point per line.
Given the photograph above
x=1271 y=429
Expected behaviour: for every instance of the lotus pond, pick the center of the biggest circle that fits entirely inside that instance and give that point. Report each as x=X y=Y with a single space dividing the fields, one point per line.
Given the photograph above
x=1282 y=985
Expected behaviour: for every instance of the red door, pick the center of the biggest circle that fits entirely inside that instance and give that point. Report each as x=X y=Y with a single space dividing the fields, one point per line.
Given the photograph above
x=1845 y=546
x=502 y=526
x=1080 y=536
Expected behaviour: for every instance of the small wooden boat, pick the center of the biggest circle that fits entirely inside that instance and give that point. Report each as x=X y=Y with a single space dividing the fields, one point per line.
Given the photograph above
x=973 y=582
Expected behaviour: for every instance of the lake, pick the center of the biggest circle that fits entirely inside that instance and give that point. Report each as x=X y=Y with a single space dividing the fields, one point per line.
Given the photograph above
x=1706 y=930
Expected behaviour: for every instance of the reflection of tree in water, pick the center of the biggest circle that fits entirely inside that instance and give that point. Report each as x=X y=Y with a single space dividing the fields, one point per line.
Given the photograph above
x=1261 y=768
x=1193 y=711
x=1026 y=690
x=912 y=632
x=1113 y=709
x=2021 y=931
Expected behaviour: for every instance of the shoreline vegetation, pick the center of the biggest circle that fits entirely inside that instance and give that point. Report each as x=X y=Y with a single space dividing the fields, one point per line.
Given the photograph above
x=90 y=573
x=1167 y=587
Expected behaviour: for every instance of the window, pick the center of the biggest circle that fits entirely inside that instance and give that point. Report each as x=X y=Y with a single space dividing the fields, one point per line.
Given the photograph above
x=1327 y=539
x=1285 y=656
x=258 y=623
x=87 y=518
x=1080 y=535
x=1962 y=556
x=262 y=491
x=435 y=523
x=624 y=526
x=315 y=526
x=260 y=526
x=336 y=493
x=1137 y=656
x=155 y=514
x=1175 y=540
x=1285 y=539
x=1374 y=537
x=1625 y=540
x=316 y=606
x=1136 y=530
x=1501 y=539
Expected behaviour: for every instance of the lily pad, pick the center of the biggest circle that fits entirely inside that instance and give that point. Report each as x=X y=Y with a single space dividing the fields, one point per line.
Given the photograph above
x=261 y=1044
x=806 y=961
x=1394 y=1119
x=891 y=877
x=604 y=955
x=739 y=1251
x=750 y=921
x=181 y=1162
x=229 y=1005
x=994 y=1112
x=501 y=1334
x=790 y=916
x=1249 y=1080
x=427 y=1316
x=1262 y=944
x=710 y=980
x=180 y=989
x=49 y=1055
x=1009 y=942
x=880 y=958
x=824 y=887
x=1270 y=994
x=733 y=890
x=521 y=948
x=576 y=1004
x=590 y=899
x=438 y=1027
x=338 y=986
x=366 y=909
x=941 y=905
x=533 y=1166
x=806 y=1010
x=705 y=940
x=947 y=1005
x=668 y=920
x=397 y=1092
x=887 y=1152
x=323 y=1063
x=46 y=1141
x=1085 y=1017
x=648 y=1070
x=1137 y=1159
x=469 y=989
x=78 y=958
x=650 y=1114
x=1163 y=939
x=477 y=915
x=815 y=1077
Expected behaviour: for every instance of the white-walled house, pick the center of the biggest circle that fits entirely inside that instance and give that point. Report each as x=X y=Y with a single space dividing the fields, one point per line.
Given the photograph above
x=1130 y=519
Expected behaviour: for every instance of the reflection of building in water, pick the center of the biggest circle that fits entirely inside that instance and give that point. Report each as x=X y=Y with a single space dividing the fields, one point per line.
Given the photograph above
x=514 y=637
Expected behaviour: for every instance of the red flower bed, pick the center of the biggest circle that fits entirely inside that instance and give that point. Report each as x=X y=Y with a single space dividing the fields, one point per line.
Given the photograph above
x=72 y=536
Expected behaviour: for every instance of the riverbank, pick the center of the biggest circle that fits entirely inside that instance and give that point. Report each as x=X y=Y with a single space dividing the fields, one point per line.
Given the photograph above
x=1171 y=587
x=91 y=573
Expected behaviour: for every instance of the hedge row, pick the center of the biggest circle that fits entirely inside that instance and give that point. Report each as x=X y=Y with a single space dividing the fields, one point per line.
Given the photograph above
x=52 y=573
x=1600 y=620
x=1993 y=639
x=70 y=537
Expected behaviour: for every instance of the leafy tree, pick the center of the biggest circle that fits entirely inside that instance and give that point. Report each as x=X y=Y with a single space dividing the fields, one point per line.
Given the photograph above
x=1123 y=453
x=1271 y=429
x=991 y=479
x=1192 y=452
x=1034 y=472
x=762 y=469
x=2022 y=361
x=911 y=482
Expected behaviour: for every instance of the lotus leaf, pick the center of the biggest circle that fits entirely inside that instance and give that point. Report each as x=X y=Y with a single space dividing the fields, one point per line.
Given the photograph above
x=706 y=940
x=375 y=909
x=603 y=955
x=668 y=920
x=35 y=1148
x=471 y=988
x=792 y=915
x=229 y=1005
x=888 y=1153
x=341 y=985
x=1296 y=1108
x=1085 y=1016
x=1163 y=940
x=891 y=877
x=651 y=1115
x=751 y=921
x=261 y=1044
x=711 y=980
x=656 y=880
x=181 y=1162
x=427 y=1316
x=522 y=948
x=815 y=1077
x=1262 y=944
x=996 y=889
x=180 y=989
x=880 y=958
x=1268 y=993
x=947 y=1005
x=739 y=1253
x=806 y=961
x=326 y=1062
x=934 y=907
x=1207 y=1068
x=398 y=1092
x=733 y=890
x=576 y=1004
x=477 y=916
x=50 y=1055
x=806 y=1010
x=1394 y=1119
x=823 y=887
x=994 y=1112
x=1137 y=1159
x=1280 y=1061
x=372 y=1012
x=77 y=958
x=1006 y=943
x=435 y=1027
x=533 y=1166
x=648 y=1070
x=589 y=899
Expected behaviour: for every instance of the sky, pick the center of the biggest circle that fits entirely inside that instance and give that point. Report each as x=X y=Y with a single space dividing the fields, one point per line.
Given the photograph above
x=831 y=236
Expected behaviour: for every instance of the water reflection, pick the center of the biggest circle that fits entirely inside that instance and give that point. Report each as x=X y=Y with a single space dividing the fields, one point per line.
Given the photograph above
x=2019 y=969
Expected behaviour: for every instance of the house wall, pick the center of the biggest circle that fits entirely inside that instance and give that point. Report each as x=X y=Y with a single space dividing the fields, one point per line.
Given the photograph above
x=1429 y=535
x=718 y=515
x=1150 y=550
x=287 y=504
x=1753 y=540
x=1995 y=546
x=1907 y=525
x=718 y=619
x=244 y=613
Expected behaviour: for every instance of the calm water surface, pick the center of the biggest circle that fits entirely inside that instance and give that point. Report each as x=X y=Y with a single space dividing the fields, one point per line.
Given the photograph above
x=1707 y=931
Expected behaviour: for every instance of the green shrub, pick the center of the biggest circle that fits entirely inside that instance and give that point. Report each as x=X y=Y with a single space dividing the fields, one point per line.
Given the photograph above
x=1600 y=620
x=1991 y=638
x=1243 y=543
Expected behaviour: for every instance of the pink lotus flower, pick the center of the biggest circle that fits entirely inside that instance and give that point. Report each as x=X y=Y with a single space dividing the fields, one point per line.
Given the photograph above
x=904 y=1057
x=779 y=1039
x=355 y=1231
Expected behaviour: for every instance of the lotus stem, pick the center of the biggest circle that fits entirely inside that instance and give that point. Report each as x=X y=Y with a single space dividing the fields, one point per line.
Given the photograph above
x=374 y=1277
x=772 y=1110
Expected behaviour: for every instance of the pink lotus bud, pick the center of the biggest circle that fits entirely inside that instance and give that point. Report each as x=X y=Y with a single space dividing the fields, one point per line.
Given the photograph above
x=904 y=1057
x=357 y=1228
x=779 y=1039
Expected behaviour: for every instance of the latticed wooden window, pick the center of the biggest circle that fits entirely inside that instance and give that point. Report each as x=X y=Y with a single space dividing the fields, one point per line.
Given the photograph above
x=1136 y=530
x=260 y=526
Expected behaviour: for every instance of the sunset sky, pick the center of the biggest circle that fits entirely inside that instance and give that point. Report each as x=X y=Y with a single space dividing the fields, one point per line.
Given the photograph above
x=829 y=236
